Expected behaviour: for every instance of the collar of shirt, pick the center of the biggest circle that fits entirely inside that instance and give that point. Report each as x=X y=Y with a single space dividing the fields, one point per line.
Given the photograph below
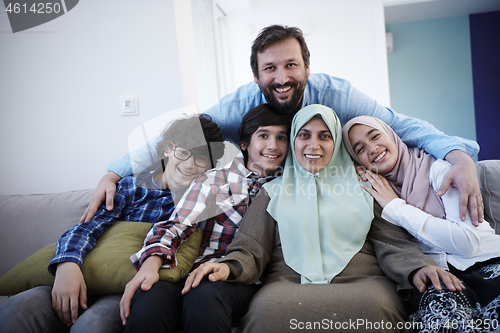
x=238 y=166
x=254 y=181
x=148 y=181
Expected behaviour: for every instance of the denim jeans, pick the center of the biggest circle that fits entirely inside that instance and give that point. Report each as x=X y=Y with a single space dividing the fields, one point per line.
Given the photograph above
x=31 y=311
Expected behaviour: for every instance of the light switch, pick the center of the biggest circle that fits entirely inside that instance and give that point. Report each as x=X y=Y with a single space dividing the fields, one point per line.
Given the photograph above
x=129 y=105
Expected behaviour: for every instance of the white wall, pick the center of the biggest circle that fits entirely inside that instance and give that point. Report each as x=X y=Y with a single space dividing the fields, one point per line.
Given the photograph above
x=345 y=38
x=60 y=82
x=60 y=85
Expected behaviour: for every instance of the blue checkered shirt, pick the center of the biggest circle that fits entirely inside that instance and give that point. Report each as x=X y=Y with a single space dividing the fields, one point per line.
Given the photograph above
x=139 y=199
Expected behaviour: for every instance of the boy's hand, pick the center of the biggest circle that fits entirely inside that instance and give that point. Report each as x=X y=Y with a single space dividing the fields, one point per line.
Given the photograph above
x=381 y=191
x=105 y=190
x=435 y=275
x=68 y=292
x=217 y=271
x=463 y=176
x=144 y=279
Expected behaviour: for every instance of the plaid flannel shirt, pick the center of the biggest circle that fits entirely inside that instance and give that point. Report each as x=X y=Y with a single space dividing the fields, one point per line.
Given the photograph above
x=139 y=199
x=216 y=201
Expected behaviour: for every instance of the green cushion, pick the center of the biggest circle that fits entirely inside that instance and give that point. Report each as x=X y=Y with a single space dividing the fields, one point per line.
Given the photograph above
x=107 y=268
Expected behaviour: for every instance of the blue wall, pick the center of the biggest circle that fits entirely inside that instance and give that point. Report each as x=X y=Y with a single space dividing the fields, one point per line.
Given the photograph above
x=485 y=49
x=430 y=73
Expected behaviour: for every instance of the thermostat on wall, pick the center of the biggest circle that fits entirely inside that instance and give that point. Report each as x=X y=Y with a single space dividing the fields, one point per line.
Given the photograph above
x=389 y=42
x=129 y=105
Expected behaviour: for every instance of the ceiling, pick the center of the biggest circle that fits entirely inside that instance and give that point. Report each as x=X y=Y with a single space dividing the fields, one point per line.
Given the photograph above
x=397 y=11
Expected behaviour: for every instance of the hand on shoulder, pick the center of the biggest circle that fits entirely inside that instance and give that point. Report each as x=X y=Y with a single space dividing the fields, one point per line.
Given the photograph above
x=463 y=176
x=105 y=191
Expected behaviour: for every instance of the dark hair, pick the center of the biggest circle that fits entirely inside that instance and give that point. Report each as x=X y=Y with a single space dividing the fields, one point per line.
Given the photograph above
x=184 y=133
x=262 y=115
x=273 y=34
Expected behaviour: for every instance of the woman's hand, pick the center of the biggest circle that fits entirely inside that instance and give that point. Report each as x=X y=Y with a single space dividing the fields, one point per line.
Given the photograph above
x=435 y=275
x=218 y=272
x=381 y=191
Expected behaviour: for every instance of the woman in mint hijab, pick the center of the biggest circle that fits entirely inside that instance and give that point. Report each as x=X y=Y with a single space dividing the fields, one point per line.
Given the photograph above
x=322 y=211
x=304 y=237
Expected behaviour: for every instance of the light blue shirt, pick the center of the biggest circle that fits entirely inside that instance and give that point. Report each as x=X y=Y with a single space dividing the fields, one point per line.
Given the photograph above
x=336 y=93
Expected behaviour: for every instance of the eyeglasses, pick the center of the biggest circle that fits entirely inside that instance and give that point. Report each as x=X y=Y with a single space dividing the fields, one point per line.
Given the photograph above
x=199 y=159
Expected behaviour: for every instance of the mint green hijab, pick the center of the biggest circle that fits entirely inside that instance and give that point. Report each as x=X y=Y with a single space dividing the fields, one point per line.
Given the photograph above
x=323 y=218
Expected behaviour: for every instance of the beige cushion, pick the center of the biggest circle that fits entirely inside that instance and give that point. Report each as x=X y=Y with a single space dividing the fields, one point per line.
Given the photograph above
x=107 y=268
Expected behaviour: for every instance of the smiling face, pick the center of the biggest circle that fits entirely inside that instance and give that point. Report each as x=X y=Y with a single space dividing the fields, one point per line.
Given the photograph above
x=314 y=145
x=267 y=149
x=180 y=173
x=374 y=149
x=282 y=75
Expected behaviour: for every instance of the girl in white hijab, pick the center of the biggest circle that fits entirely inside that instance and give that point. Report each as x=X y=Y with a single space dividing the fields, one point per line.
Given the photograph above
x=405 y=181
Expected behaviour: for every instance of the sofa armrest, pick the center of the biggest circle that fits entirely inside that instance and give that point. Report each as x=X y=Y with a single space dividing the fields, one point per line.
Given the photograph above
x=488 y=173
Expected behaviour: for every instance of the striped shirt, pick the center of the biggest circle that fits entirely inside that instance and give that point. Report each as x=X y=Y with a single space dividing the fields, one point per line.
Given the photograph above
x=139 y=199
x=216 y=202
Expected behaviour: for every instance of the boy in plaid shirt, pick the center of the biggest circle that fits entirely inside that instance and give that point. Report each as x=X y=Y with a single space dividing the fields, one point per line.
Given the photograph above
x=216 y=202
x=147 y=197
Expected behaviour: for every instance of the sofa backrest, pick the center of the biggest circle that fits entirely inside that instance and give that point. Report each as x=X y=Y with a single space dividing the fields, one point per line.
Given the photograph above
x=488 y=173
x=30 y=222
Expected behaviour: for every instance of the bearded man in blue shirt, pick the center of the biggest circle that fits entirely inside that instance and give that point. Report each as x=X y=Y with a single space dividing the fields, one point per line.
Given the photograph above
x=282 y=78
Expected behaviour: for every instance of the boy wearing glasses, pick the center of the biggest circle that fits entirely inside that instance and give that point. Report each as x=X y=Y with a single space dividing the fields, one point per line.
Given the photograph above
x=215 y=202
x=147 y=197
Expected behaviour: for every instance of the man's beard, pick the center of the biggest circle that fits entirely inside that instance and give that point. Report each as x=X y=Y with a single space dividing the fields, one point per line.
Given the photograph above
x=292 y=106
